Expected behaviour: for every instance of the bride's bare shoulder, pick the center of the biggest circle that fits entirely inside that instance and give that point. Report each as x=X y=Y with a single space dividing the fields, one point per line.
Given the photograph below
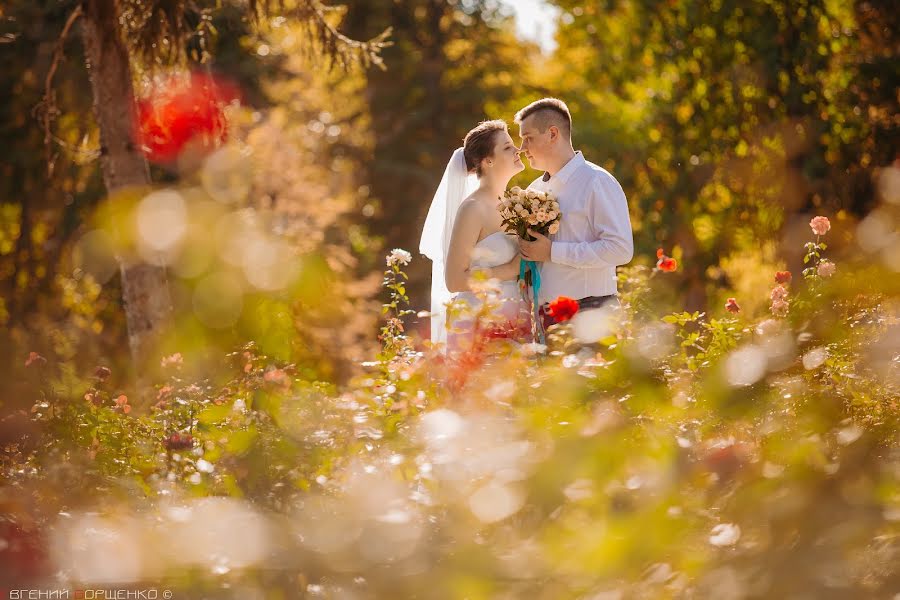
x=473 y=204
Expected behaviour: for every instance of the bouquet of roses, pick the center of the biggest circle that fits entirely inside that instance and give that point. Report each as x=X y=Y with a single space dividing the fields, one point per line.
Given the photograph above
x=529 y=209
x=522 y=210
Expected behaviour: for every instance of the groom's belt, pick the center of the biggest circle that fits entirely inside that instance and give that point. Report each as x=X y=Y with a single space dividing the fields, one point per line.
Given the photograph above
x=596 y=301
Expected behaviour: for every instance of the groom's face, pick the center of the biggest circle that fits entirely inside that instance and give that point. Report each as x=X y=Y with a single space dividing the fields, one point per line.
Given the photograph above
x=535 y=144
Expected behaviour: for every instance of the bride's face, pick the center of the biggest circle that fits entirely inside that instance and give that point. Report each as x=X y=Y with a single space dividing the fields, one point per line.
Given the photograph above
x=506 y=155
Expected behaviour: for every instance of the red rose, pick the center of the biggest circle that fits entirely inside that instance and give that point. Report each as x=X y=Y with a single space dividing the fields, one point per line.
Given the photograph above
x=179 y=441
x=783 y=277
x=665 y=263
x=102 y=373
x=562 y=309
x=178 y=112
x=732 y=306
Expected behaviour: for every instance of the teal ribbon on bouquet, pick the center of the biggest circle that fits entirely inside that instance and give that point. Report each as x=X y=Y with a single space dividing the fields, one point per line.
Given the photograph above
x=530 y=274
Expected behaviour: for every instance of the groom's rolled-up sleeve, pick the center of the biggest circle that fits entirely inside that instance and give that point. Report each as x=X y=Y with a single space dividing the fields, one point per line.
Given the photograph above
x=610 y=226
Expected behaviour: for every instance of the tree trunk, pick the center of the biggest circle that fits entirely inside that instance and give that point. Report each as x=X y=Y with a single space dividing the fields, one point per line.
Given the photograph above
x=145 y=291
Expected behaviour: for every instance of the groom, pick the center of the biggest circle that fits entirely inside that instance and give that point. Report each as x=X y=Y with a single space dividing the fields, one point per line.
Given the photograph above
x=594 y=236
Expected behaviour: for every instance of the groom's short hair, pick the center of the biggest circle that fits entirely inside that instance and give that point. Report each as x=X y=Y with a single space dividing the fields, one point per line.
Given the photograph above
x=547 y=111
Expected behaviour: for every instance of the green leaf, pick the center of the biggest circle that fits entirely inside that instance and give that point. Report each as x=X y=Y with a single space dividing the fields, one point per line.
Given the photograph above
x=213 y=413
x=240 y=441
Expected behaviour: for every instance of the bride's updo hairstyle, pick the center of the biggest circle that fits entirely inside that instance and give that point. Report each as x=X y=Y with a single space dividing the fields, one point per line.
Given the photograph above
x=479 y=143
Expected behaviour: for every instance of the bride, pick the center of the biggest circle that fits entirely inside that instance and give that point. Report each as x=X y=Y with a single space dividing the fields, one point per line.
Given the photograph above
x=463 y=234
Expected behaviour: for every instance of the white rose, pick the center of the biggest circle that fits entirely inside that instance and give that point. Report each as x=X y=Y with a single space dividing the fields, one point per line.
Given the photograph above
x=398 y=256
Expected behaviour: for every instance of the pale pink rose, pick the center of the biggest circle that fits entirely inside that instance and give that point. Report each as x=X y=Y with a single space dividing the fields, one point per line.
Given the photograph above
x=516 y=190
x=826 y=268
x=554 y=228
x=779 y=308
x=552 y=215
x=532 y=220
x=820 y=225
x=778 y=293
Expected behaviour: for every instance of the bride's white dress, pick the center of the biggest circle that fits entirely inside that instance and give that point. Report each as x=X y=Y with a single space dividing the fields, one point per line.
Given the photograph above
x=511 y=314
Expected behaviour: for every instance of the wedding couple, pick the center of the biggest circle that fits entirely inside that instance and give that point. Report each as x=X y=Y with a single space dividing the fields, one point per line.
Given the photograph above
x=463 y=233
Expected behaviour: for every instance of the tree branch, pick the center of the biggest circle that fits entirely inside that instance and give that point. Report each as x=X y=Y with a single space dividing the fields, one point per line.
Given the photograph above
x=47 y=106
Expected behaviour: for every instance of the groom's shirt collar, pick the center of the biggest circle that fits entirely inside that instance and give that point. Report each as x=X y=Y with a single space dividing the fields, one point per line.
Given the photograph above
x=566 y=172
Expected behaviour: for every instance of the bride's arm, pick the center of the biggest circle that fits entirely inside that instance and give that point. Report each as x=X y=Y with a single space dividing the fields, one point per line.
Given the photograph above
x=506 y=271
x=466 y=228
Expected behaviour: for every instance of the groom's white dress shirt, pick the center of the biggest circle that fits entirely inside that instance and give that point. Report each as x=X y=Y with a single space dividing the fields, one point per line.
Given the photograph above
x=594 y=232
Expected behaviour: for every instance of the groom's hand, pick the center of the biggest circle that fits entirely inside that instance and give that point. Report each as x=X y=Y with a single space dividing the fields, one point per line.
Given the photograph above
x=538 y=250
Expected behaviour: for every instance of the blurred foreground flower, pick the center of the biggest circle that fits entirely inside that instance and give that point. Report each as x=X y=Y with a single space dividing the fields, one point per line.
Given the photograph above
x=826 y=268
x=398 y=256
x=171 y=360
x=563 y=308
x=179 y=441
x=665 y=263
x=732 y=306
x=34 y=357
x=122 y=403
x=179 y=112
x=820 y=225
x=725 y=534
x=780 y=304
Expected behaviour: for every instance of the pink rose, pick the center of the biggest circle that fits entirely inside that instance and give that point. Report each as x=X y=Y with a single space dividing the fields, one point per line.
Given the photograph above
x=778 y=293
x=826 y=268
x=554 y=228
x=732 y=306
x=820 y=225
x=779 y=308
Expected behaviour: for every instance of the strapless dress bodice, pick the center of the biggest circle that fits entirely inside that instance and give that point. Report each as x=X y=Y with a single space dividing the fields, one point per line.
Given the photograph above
x=494 y=250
